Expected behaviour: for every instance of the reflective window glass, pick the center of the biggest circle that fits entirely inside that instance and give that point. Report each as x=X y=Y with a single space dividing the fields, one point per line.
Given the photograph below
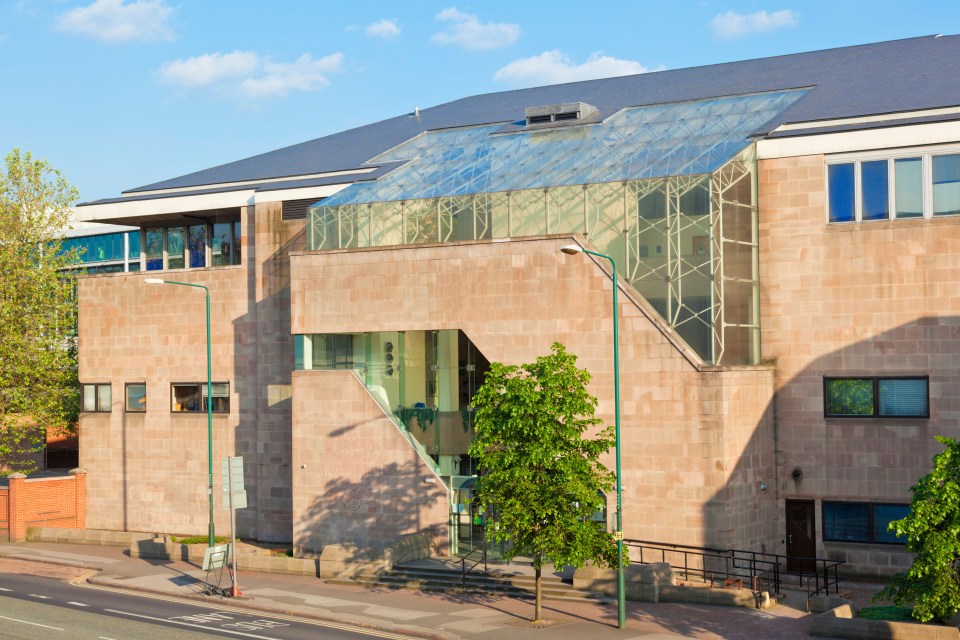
x=883 y=515
x=136 y=400
x=175 y=250
x=909 y=187
x=846 y=521
x=946 y=185
x=907 y=397
x=154 y=250
x=198 y=246
x=221 y=244
x=841 y=188
x=874 y=190
x=848 y=396
x=236 y=242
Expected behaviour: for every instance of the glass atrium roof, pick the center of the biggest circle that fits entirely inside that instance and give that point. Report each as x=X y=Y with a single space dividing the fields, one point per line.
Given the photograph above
x=686 y=138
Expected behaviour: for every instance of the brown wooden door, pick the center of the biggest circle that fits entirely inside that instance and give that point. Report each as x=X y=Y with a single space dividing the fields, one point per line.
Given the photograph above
x=801 y=542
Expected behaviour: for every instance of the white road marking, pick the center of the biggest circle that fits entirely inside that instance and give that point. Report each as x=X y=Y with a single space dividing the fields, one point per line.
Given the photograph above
x=2 y=589
x=187 y=624
x=78 y=604
x=37 y=595
x=36 y=624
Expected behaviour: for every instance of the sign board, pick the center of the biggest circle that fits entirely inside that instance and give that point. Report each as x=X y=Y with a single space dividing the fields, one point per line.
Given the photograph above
x=235 y=500
x=215 y=557
x=232 y=470
x=234 y=494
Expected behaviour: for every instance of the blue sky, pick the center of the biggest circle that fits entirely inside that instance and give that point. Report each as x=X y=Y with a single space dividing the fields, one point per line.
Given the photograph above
x=122 y=93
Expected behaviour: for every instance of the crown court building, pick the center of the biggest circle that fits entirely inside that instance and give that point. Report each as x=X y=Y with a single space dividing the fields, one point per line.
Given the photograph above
x=787 y=237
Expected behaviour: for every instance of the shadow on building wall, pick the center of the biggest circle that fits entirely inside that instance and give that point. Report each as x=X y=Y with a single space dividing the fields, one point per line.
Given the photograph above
x=863 y=459
x=372 y=508
x=263 y=363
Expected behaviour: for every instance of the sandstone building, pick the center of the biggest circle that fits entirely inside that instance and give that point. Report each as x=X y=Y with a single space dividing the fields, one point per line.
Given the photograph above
x=787 y=237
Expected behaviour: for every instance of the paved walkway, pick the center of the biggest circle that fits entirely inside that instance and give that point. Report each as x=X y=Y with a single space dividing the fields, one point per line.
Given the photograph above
x=424 y=615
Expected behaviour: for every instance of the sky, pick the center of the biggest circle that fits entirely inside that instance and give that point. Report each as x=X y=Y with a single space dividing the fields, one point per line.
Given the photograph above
x=118 y=94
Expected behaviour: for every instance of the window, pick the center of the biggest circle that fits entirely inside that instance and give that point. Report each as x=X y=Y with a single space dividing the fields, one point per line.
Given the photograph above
x=861 y=522
x=946 y=185
x=178 y=247
x=136 y=397
x=913 y=186
x=97 y=397
x=191 y=397
x=876 y=397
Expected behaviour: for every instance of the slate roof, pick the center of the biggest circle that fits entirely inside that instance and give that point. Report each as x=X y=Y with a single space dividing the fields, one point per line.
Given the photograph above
x=880 y=78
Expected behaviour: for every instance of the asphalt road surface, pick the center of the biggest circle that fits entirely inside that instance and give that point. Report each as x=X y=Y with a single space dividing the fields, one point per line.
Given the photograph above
x=39 y=608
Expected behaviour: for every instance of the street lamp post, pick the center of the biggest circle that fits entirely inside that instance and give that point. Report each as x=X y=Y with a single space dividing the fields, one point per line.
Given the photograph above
x=574 y=249
x=209 y=396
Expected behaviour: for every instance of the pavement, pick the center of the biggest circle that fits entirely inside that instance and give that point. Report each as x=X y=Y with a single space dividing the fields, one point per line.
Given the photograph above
x=442 y=616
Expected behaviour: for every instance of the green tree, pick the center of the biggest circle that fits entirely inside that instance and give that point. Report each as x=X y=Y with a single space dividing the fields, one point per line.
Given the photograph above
x=38 y=356
x=540 y=474
x=932 y=529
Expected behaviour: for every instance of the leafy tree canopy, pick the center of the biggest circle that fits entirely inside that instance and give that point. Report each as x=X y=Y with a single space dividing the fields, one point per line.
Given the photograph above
x=540 y=475
x=38 y=366
x=932 y=529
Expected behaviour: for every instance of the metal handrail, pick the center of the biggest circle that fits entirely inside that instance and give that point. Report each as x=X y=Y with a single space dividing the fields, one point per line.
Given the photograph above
x=464 y=569
x=739 y=566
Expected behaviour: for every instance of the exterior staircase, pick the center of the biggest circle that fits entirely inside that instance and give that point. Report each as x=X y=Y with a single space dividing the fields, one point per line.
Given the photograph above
x=493 y=583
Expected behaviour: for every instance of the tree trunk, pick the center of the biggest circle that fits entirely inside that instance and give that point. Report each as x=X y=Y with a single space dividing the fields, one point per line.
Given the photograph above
x=536 y=607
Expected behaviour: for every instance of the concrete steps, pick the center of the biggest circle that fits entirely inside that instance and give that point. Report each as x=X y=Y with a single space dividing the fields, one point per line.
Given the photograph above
x=491 y=583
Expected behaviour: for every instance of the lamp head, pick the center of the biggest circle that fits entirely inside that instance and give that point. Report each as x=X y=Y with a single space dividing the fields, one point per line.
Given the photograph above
x=571 y=249
x=153 y=280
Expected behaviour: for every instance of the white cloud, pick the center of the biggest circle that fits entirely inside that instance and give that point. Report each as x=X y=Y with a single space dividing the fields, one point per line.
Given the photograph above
x=385 y=29
x=468 y=32
x=303 y=74
x=555 y=67
x=208 y=69
x=114 y=21
x=733 y=25
x=250 y=74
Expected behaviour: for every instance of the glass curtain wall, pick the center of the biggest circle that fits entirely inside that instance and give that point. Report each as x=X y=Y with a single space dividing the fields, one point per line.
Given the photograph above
x=688 y=244
x=425 y=380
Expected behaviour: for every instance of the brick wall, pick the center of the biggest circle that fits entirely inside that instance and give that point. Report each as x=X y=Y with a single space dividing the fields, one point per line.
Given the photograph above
x=58 y=502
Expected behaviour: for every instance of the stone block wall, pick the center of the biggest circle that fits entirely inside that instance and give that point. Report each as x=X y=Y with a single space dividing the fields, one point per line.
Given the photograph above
x=694 y=443
x=871 y=298
x=149 y=471
x=356 y=478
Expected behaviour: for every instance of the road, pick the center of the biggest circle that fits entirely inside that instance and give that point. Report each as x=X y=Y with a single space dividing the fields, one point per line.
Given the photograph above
x=40 y=608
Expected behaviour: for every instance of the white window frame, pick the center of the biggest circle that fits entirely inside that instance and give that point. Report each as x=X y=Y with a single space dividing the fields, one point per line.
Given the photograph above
x=926 y=155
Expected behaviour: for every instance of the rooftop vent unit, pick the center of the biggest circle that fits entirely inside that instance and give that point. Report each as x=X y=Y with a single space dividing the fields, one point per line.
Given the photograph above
x=559 y=113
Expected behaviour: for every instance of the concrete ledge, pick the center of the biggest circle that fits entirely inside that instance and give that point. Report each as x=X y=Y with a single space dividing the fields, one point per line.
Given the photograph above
x=168 y=551
x=820 y=604
x=840 y=622
x=278 y=564
x=604 y=580
x=719 y=597
x=348 y=560
x=87 y=536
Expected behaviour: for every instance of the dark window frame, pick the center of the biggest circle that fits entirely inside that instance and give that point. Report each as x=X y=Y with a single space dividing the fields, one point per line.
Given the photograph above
x=871 y=521
x=876 y=397
x=96 y=397
x=126 y=397
x=200 y=390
